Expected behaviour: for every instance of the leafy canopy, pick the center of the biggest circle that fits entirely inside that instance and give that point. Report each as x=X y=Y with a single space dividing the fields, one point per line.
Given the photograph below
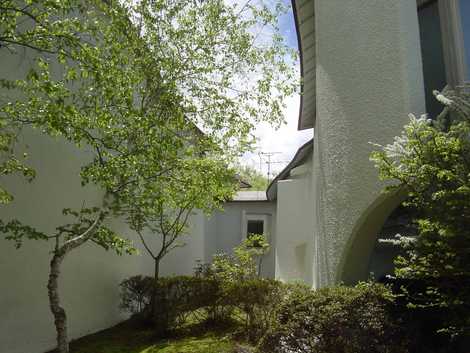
x=134 y=83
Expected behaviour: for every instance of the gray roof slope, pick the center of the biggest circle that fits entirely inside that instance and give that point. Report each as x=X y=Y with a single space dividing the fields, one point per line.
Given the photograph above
x=246 y=196
x=300 y=158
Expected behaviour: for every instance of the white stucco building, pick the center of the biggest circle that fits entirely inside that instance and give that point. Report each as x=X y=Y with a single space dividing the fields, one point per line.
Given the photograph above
x=365 y=66
x=90 y=276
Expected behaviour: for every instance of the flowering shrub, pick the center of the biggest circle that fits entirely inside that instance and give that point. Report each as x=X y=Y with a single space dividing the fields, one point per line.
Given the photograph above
x=430 y=162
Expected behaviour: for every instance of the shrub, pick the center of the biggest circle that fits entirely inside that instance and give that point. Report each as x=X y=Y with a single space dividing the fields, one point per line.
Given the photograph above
x=337 y=320
x=241 y=290
x=136 y=292
x=244 y=264
x=255 y=302
x=178 y=297
x=430 y=162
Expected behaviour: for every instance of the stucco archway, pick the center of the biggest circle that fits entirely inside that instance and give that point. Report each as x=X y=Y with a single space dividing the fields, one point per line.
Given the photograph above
x=354 y=265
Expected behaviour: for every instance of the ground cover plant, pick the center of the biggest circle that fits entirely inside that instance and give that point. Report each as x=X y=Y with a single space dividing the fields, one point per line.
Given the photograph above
x=132 y=337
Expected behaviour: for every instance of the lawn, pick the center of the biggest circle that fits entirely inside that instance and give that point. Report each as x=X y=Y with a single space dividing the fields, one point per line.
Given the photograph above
x=130 y=337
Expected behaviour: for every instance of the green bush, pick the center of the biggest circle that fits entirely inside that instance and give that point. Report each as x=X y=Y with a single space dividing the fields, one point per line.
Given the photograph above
x=135 y=293
x=430 y=162
x=337 y=320
x=179 y=297
x=255 y=302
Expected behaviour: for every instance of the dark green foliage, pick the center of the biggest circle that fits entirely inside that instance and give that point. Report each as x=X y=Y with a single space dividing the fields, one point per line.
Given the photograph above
x=179 y=297
x=431 y=162
x=254 y=303
x=337 y=320
x=135 y=294
x=208 y=299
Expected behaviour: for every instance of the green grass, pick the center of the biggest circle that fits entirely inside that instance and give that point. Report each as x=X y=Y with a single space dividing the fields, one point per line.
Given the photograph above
x=129 y=337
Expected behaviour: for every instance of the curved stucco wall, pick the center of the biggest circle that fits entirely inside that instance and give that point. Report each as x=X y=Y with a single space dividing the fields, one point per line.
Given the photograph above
x=294 y=250
x=369 y=77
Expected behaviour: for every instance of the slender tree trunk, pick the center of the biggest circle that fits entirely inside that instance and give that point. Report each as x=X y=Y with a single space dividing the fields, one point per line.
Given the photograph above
x=260 y=263
x=60 y=318
x=156 y=275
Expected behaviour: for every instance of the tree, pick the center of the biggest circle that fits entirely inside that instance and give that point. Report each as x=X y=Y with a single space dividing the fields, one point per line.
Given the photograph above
x=86 y=73
x=256 y=179
x=128 y=83
x=166 y=216
x=430 y=160
x=199 y=183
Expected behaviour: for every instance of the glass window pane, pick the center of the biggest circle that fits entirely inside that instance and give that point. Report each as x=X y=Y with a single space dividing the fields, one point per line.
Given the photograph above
x=432 y=55
x=465 y=14
x=255 y=227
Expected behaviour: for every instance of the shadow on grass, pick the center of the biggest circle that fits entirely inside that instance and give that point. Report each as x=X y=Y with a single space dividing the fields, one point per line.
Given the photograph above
x=133 y=337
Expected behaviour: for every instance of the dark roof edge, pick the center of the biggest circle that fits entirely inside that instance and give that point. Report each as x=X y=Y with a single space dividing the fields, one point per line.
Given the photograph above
x=299 y=46
x=299 y=159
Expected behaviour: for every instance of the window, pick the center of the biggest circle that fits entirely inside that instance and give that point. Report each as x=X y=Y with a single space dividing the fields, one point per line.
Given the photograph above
x=465 y=21
x=455 y=25
x=255 y=226
x=432 y=54
x=445 y=46
x=255 y=223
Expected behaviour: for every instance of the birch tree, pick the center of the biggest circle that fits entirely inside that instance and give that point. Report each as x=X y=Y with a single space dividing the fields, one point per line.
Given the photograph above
x=127 y=83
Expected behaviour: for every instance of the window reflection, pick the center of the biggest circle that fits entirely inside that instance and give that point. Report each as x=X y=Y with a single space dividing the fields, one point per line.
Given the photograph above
x=465 y=15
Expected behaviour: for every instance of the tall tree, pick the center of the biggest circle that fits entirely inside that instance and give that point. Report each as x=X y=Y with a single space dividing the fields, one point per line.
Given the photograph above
x=128 y=83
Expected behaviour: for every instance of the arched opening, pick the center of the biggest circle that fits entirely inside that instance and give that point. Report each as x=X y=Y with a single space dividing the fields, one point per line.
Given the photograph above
x=381 y=262
x=364 y=253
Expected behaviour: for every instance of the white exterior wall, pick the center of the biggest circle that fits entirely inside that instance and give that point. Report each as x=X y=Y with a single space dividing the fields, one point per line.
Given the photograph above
x=294 y=246
x=89 y=284
x=224 y=230
x=90 y=279
x=369 y=77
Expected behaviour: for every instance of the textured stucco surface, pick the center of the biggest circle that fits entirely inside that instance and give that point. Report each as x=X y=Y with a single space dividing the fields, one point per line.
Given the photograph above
x=369 y=77
x=90 y=278
x=294 y=253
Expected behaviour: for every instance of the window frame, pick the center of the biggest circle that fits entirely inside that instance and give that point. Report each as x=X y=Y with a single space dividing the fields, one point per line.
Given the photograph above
x=255 y=217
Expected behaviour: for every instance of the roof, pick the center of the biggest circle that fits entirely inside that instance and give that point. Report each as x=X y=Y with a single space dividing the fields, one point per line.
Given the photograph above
x=249 y=196
x=300 y=158
x=304 y=15
x=242 y=184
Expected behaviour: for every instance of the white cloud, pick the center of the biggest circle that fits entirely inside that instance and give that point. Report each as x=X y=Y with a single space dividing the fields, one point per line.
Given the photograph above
x=286 y=140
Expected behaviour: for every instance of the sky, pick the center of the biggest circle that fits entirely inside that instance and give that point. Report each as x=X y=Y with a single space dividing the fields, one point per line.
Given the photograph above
x=286 y=140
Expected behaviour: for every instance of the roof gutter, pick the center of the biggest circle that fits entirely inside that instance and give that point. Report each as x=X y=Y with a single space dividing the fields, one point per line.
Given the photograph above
x=299 y=46
x=299 y=159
